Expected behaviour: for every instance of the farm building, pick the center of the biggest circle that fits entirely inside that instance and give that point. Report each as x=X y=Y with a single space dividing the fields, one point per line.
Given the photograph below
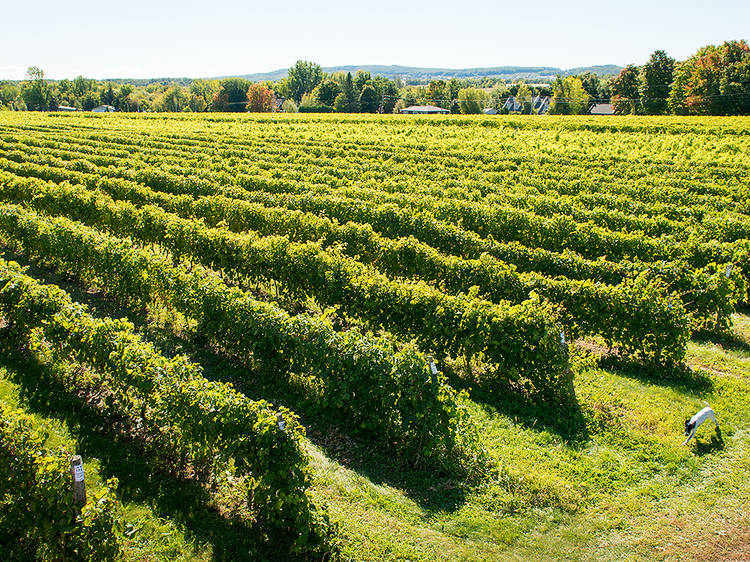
x=602 y=109
x=66 y=108
x=103 y=109
x=424 y=109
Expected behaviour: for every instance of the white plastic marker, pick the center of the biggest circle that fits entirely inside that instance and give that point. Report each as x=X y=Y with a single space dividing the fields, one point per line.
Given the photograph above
x=79 y=486
x=280 y=421
x=562 y=337
x=433 y=368
x=729 y=270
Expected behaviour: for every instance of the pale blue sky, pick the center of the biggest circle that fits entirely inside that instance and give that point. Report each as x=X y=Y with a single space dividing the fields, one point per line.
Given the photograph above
x=138 y=38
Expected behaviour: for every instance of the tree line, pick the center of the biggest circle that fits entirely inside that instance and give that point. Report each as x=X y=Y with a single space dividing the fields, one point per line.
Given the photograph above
x=714 y=81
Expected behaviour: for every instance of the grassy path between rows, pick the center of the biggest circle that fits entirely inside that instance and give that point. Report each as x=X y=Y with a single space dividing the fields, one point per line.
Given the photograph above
x=603 y=479
x=610 y=478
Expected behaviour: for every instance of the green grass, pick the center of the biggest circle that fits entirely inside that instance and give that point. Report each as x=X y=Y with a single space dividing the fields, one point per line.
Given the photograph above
x=147 y=536
x=605 y=478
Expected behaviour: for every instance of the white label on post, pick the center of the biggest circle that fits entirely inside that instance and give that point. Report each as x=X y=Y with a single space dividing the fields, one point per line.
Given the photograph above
x=78 y=473
x=562 y=337
x=282 y=423
x=729 y=270
x=433 y=368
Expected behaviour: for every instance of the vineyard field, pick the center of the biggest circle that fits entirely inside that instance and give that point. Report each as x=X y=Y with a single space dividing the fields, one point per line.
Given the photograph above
x=383 y=337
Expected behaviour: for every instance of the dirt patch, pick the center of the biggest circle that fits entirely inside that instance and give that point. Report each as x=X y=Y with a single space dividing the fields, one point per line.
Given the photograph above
x=729 y=543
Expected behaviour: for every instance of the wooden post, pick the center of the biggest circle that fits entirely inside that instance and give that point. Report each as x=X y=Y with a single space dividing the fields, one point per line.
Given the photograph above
x=79 y=484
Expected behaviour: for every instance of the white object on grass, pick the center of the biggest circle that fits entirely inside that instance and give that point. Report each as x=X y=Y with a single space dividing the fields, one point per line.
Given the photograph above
x=697 y=420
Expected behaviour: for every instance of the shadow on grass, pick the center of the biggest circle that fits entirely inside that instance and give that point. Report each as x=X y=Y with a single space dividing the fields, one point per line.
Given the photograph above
x=712 y=445
x=725 y=339
x=433 y=491
x=679 y=377
x=140 y=479
x=566 y=419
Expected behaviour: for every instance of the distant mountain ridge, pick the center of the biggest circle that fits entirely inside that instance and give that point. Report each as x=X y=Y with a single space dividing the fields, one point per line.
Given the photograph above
x=409 y=73
x=426 y=73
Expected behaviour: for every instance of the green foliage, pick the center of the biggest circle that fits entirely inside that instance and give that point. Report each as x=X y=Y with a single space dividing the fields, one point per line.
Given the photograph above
x=231 y=96
x=472 y=100
x=625 y=92
x=347 y=101
x=439 y=94
x=386 y=91
x=440 y=323
x=38 y=519
x=289 y=107
x=714 y=81
x=368 y=100
x=173 y=99
x=409 y=409
x=202 y=94
x=361 y=78
x=303 y=77
x=310 y=104
x=569 y=97
x=8 y=95
x=701 y=297
x=655 y=82
x=36 y=92
x=626 y=225
x=326 y=92
x=207 y=422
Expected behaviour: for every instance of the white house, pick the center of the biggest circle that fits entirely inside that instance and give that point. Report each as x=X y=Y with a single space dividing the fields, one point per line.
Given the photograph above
x=103 y=109
x=424 y=109
x=539 y=104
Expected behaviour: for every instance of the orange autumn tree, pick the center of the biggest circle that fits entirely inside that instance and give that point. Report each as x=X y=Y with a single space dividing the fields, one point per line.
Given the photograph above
x=714 y=81
x=259 y=99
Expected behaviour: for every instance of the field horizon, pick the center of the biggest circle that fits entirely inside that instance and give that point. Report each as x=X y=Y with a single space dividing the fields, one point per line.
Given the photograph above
x=385 y=337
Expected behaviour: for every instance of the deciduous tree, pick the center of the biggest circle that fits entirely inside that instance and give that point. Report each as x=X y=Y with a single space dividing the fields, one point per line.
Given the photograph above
x=625 y=94
x=360 y=79
x=368 y=100
x=326 y=92
x=36 y=93
x=655 y=82
x=259 y=99
x=231 y=96
x=203 y=92
x=438 y=94
x=472 y=100
x=8 y=95
x=303 y=77
x=714 y=81
x=569 y=97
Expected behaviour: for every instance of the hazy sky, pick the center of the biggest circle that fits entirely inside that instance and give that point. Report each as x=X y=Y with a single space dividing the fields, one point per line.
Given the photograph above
x=137 y=38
